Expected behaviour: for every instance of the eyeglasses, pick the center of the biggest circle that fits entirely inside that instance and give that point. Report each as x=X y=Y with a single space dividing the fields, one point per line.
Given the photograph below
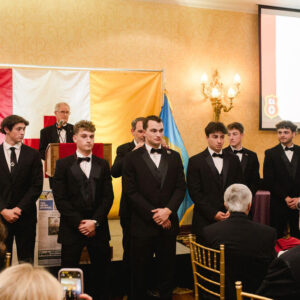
x=64 y=112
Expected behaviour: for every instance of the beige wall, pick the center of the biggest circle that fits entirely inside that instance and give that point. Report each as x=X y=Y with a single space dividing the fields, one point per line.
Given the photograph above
x=183 y=41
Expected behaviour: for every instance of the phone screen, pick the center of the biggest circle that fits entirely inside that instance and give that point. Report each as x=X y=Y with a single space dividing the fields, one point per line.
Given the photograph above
x=71 y=282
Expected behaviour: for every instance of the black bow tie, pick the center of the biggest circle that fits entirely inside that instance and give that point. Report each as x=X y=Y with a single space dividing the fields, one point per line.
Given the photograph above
x=218 y=155
x=153 y=150
x=238 y=151
x=80 y=159
x=289 y=149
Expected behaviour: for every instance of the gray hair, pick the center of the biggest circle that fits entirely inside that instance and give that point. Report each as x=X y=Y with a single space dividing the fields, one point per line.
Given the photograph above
x=57 y=105
x=237 y=197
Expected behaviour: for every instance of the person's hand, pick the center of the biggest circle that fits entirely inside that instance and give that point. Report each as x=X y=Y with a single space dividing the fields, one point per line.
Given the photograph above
x=85 y=297
x=161 y=215
x=17 y=210
x=87 y=227
x=220 y=216
x=292 y=202
x=139 y=145
x=9 y=215
x=166 y=225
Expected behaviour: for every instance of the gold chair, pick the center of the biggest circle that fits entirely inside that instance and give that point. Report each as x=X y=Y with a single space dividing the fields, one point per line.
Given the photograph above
x=7 y=260
x=207 y=264
x=240 y=294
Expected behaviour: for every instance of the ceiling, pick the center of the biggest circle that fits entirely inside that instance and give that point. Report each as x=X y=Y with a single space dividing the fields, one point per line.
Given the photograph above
x=248 y=6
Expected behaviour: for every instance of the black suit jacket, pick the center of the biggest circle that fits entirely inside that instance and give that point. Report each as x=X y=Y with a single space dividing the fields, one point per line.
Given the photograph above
x=69 y=196
x=250 y=167
x=147 y=187
x=23 y=188
x=283 y=279
x=249 y=249
x=205 y=187
x=282 y=177
x=49 y=135
x=116 y=171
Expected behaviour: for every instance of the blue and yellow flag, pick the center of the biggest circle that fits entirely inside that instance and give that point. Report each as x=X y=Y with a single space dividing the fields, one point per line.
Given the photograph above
x=174 y=141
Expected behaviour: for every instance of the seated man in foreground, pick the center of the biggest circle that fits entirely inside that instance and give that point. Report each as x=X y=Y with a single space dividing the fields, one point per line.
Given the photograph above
x=249 y=246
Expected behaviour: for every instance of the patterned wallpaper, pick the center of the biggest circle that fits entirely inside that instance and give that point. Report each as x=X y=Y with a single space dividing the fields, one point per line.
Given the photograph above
x=183 y=41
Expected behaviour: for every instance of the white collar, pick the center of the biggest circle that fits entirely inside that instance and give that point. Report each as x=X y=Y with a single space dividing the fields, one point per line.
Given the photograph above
x=212 y=151
x=81 y=155
x=7 y=145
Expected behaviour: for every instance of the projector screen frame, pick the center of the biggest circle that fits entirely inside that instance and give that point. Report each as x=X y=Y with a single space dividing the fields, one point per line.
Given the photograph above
x=260 y=7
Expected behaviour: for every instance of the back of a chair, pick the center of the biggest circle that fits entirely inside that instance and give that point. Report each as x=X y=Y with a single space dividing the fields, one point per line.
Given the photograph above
x=208 y=269
x=240 y=295
x=7 y=260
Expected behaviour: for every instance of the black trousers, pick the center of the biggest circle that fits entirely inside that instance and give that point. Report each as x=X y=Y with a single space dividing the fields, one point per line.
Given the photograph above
x=24 y=231
x=99 y=252
x=126 y=274
x=280 y=217
x=142 y=251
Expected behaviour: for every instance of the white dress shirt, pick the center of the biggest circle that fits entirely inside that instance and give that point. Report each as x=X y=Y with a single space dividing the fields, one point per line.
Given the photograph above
x=85 y=165
x=218 y=161
x=154 y=156
x=289 y=153
x=7 y=152
x=62 y=134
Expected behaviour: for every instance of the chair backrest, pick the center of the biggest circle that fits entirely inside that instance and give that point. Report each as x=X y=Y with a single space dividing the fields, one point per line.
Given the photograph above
x=7 y=259
x=208 y=269
x=240 y=295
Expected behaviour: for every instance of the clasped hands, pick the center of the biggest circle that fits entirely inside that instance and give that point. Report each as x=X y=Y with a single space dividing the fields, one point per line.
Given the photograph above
x=292 y=202
x=161 y=217
x=11 y=215
x=87 y=228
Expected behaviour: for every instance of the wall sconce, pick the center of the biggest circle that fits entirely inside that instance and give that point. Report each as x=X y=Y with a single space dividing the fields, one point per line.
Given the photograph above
x=215 y=92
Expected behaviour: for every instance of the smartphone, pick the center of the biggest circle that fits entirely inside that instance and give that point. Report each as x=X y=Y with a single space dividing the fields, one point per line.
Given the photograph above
x=72 y=281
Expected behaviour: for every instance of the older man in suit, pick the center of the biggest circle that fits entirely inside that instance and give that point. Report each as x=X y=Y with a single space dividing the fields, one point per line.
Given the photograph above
x=282 y=178
x=137 y=131
x=60 y=132
x=154 y=184
x=83 y=195
x=21 y=181
x=248 y=158
x=282 y=281
x=209 y=174
x=249 y=246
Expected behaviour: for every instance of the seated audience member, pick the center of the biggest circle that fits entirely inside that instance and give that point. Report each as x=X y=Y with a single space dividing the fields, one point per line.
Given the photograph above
x=249 y=246
x=282 y=281
x=25 y=282
x=2 y=244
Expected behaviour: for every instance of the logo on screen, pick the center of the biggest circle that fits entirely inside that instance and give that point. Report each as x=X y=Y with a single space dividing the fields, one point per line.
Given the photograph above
x=271 y=106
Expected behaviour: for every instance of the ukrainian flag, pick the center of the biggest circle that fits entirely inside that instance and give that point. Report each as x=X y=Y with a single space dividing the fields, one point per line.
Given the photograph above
x=174 y=141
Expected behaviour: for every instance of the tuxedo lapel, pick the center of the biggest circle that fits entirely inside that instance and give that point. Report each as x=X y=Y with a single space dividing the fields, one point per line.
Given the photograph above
x=286 y=161
x=163 y=167
x=54 y=134
x=94 y=175
x=212 y=166
x=151 y=165
x=3 y=162
x=225 y=168
x=69 y=134
x=20 y=162
x=244 y=161
x=294 y=162
x=79 y=176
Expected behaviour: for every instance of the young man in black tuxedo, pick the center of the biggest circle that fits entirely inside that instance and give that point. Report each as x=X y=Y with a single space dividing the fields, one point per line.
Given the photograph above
x=282 y=178
x=137 y=131
x=248 y=158
x=60 y=132
x=154 y=185
x=249 y=246
x=21 y=182
x=83 y=195
x=209 y=173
